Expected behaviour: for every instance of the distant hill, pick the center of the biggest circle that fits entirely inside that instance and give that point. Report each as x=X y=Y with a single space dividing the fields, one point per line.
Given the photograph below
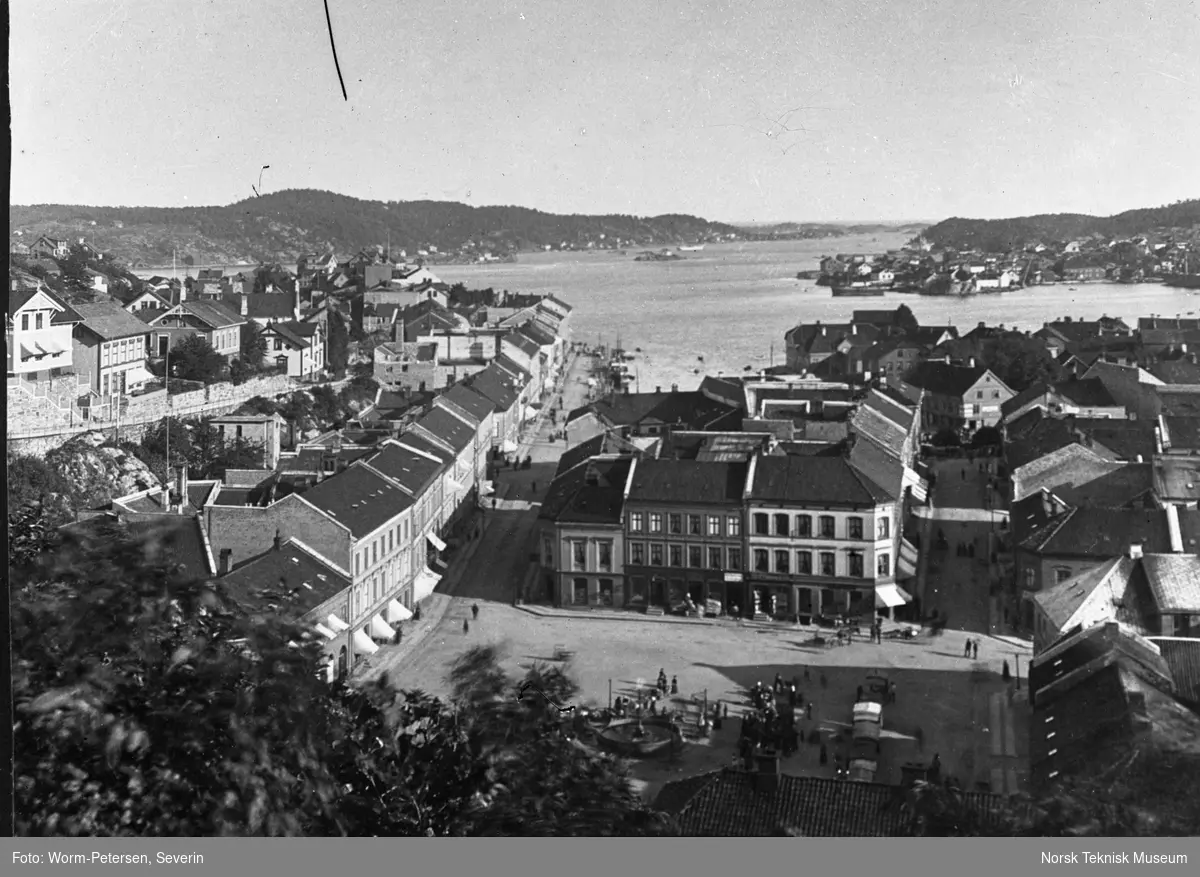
x=791 y=230
x=1181 y=220
x=282 y=225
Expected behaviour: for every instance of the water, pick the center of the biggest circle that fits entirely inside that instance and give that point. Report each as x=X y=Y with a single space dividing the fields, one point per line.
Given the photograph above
x=732 y=303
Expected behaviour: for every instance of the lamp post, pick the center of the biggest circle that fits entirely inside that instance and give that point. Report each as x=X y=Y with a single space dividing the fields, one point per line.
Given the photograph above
x=1017 y=664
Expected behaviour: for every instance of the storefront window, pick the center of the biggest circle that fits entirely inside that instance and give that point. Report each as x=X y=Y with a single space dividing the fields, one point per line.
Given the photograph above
x=606 y=592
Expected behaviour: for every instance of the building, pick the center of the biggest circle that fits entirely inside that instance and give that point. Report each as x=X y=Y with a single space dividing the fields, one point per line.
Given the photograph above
x=657 y=413
x=476 y=411
x=211 y=320
x=819 y=539
x=260 y=430
x=1088 y=398
x=296 y=347
x=455 y=440
x=956 y=397
x=38 y=334
x=808 y=345
x=1152 y=594
x=684 y=535
x=407 y=365
x=501 y=389
x=109 y=350
x=582 y=548
x=50 y=248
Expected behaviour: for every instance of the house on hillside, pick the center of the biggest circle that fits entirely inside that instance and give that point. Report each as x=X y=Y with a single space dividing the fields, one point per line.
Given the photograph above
x=211 y=320
x=297 y=347
x=50 y=248
x=109 y=350
x=38 y=333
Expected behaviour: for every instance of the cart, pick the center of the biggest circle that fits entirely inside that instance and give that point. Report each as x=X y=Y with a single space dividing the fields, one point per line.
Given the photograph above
x=868 y=721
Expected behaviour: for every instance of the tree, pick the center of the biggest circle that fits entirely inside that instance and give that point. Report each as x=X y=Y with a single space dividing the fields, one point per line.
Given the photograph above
x=946 y=438
x=150 y=704
x=986 y=436
x=905 y=318
x=1020 y=361
x=338 y=342
x=194 y=359
x=253 y=350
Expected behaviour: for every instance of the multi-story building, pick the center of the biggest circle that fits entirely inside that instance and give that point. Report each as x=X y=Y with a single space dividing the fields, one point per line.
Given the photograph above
x=956 y=397
x=582 y=544
x=684 y=535
x=819 y=539
x=475 y=410
x=502 y=390
x=212 y=320
x=110 y=350
x=38 y=334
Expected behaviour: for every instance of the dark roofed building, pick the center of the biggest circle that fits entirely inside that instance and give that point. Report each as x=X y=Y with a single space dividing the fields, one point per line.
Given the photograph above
x=444 y=426
x=469 y=401
x=828 y=481
x=688 y=482
x=414 y=472
x=956 y=397
x=739 y=803
x=656 y=413
x=176 y=539
x=359 y=499
x=289 y=581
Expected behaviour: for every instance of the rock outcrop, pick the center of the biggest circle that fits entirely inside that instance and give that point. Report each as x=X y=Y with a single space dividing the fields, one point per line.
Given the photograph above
x=101 y=469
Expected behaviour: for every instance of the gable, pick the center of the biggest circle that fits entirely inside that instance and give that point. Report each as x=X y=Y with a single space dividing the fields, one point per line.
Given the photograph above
x=39 y=301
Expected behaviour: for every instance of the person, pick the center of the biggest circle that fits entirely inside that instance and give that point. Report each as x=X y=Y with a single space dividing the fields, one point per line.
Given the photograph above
x=466 y=626
x=967 y=648
x=891 y=692
x=474 y=610
x=975 y=649
x=964 y=474
x=808 y=710
x=417 y=612
x=858 y=696
x=777 y=685
x=824 y=754
x=674 y=685
x=792 y=695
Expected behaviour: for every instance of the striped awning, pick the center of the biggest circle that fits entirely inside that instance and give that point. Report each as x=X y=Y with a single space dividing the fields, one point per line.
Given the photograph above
x=906 y=564
x=397 y=612
x=363 y=644
x=325 y=631
x=380 y=629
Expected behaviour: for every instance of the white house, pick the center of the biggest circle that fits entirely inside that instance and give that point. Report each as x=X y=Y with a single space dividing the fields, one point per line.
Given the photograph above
x=38 y=333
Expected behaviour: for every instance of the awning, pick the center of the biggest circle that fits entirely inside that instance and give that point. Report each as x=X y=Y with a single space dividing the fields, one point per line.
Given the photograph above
x=486 y=488
x=906 y=564
x=509 y=447
x=397 y=612
x=363 y=644
x=336 y=623
x=435 y=541
x=139 y=375
x=325 y=631
x=456 y=486
x=426 y=581
x=380 y=629
x=28 y=350
x=530 y=412
x=51 y=348
x=890 y=596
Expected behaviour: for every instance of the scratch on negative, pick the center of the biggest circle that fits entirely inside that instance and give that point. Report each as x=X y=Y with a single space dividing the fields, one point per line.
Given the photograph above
x=333 y=46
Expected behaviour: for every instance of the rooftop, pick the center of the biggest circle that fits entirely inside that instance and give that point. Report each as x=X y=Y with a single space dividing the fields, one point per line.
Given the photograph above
x=359 y=499
x=589 y=494
x=408 y=468
x=469 y=400
x=445 y=426
x=830 y=481
x=945 y=379
x=289 y=581
x=1104 y=533
x=688 y=481
x=685 y=410
x=177 y=539
x=109 y=320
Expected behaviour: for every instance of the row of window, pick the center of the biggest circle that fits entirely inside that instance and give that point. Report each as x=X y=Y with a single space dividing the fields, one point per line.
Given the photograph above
x=697 y=556
x=765 y=560
x=604 y=555
x=697 y=525
x=801 y=526
x=124 y=350
x=384 y=544
x=41 y=319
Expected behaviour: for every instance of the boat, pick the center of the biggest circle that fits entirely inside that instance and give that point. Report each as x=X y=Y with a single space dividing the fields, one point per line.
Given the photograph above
x=693 y=249
x=1183 y=279
x=857 y=289
x=943 y=285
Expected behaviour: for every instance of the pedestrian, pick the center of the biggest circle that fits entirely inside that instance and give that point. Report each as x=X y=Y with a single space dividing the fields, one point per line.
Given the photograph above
x=534 y=487
x=970 y=549
x=466 y=627
x=417 y=612
x=967 y=648
x=674 y=685
x=792 y=696
x=1006 y=674
x=824 y=755
x=725 y=711
x=891 y=692
x=964 y=474
x=807 y=678
x=474 y=610
x=808 y=710
x=778 y=684
x=858 y=695
x=824 y=681
x=975 y=649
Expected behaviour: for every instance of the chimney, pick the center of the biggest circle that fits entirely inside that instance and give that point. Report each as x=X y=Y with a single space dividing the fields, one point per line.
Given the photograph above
x=278 y=542
x=181 y=485
x=658 y=389
x=971 y=362
x=766 y=778
x=1135 y=550
x=244 y=304
x=674 y=388
x=296 y=302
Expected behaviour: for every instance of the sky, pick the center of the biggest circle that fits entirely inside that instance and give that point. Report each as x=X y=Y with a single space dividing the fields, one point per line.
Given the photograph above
x=753 y=110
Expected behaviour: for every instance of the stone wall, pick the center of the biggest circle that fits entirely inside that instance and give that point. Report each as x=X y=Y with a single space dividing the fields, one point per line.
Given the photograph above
x=36 y=424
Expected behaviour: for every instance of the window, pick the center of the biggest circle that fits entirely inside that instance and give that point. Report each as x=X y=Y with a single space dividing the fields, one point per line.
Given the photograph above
x=714 y=558
x=781 y=561
x=782 y=525
x=675 y=522
x=856 y=564
x=24 y=322
x=827 y=526
x=855 y=528
x=979 y=394
x=391 y=540
x=804 y=525
x=761 y=561
x=357 y=564
x=655 y=522
x=637 y=553
x=735 y=559
x=606 y=592
x=995 y=394
x=656 y=555
x=579 y=592
x=733 y=526
x=828 y=563
x=604 y=550
x=883 y=566
x=37 y=320
x=881 y=530
x=762 y=523
x=694 y=523
x=695 y=556
x=375 y=552
x=804 y=562
x=676 y=555
x=714 y=525
x=635 y=522
x=975 y=409
x=1061 y=575
x=548 y=551
x=578 y=554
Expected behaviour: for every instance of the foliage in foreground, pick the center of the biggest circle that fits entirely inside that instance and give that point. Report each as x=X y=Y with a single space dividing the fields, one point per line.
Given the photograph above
x=146 y=706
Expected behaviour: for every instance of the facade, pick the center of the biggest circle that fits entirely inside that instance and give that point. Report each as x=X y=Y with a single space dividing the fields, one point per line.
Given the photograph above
x=957 y=397
x=296 y=346
x=819 y=539
x=262 y=430
x=684 y=535
x=109 y=350
x=38 y=332
x=476 y=411
x=406 y=365
x=502 y=390
x=211 y=320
